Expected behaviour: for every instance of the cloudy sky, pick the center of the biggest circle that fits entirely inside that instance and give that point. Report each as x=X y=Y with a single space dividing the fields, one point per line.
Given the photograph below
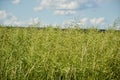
x=83 y=12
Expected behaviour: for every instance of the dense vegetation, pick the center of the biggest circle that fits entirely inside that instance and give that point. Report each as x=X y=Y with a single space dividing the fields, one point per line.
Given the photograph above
x=56 y=54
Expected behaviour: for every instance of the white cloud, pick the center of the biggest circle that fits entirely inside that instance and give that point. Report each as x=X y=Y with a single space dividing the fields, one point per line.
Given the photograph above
x=66 y=5
x=16 y=1
x=8 y=18
x=86 y=21
x=63 y=12
x=83 y=21
x=12 y=21
x=37 y=8
x=70 y=5
x=97 y=21
x=3 y=14
x=57 y=4
x=33 y=21
x=118 y=27
x=69 y=23
x=16 y=22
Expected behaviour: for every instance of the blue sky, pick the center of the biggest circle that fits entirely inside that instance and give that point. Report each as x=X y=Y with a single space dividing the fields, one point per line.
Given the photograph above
x=82 y=12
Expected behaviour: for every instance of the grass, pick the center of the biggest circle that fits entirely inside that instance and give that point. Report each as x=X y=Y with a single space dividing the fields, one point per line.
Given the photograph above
x=56 y=54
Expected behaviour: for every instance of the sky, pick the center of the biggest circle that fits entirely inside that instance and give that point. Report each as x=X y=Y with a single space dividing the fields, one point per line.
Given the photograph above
x=59 y=12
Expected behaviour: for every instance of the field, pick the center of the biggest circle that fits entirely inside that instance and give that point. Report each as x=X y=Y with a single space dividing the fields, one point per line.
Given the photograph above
x=56 y=54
